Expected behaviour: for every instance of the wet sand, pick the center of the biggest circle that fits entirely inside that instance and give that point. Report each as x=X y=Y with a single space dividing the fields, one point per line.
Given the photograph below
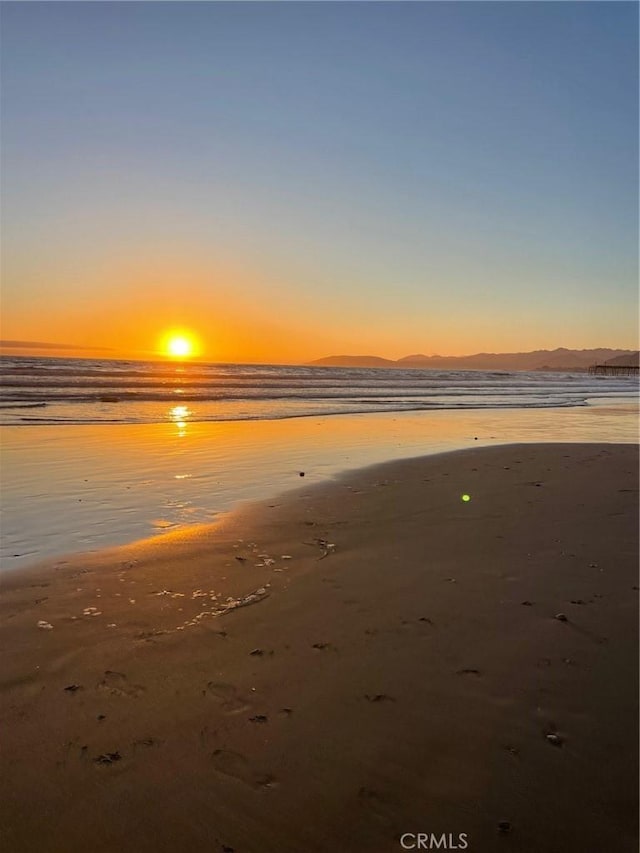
x=334 y=668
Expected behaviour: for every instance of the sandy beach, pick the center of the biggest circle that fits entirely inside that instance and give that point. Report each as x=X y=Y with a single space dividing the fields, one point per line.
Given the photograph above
x=341 y=668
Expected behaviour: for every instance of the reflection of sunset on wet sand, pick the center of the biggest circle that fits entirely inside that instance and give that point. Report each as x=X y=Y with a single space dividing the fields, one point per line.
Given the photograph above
x=178 y=415
x=107 y=484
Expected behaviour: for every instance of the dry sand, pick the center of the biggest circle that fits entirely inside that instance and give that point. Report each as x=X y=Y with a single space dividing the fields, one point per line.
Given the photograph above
x=405 y=682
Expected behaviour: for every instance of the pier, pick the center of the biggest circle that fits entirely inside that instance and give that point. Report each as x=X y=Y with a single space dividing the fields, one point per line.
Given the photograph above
x=614 y=369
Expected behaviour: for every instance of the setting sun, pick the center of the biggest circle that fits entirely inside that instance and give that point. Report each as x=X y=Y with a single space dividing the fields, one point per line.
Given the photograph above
x=179 y=344
x=179 y=347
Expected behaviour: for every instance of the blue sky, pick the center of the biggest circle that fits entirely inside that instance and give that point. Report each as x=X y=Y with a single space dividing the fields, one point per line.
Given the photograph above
x=360 y=177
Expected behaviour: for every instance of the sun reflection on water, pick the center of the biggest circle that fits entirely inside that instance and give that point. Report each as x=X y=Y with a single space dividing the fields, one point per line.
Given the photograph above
x=179 y=416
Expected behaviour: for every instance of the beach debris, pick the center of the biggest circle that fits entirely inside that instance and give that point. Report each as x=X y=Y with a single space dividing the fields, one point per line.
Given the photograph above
x=241 y=559
x=169 y=592
x=234 y=603
x=226 y=849
x=46 y=626
x=220 y=609
x=259 y=718
x=101 y=717
x=504 y=826
x=91 y=611
x=426 y=619
x=468 y=671
x=561 y=617
x=302 y=473
x=286 y=711
x=379 y=697
x=256 y=652
x=327 y=547
x=527 y=603
x=554 y=738
x=321 y=646
x=108 y=758
x=593 y=565
x=199 y=593
x=285 y=557
x=577 y=601
x=147 y=741
x=72 y=688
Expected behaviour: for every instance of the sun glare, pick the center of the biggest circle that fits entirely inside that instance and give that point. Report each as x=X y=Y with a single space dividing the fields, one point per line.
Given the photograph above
x=179 y=345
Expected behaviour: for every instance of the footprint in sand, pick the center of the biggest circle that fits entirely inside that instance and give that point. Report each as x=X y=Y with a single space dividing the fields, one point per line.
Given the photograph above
x=234 y=764
x=227 y=697
x=117 y=684
x=150 y=636
x=377 y=805
x=107 y=758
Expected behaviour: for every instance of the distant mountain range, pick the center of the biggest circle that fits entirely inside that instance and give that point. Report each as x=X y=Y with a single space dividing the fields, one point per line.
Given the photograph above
x=557 y=359
x=632 y=360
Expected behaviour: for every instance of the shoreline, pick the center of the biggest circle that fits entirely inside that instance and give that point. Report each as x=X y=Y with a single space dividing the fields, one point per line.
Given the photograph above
x=90 y=488
x=237 y=515
x=398 y=670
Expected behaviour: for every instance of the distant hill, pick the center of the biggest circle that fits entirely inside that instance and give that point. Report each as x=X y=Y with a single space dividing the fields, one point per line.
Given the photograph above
x=557 y=359
x=632 y=360
x=354 y=361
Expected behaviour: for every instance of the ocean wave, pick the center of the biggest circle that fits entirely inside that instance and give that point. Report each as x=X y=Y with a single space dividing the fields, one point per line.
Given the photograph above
x=72 y=391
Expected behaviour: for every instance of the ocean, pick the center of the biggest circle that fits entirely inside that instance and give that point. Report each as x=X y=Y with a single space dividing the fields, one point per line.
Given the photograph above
x=96 y=453
x=80 y=391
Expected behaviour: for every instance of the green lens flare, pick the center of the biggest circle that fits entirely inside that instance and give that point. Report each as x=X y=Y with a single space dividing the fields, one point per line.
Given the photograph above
x=466 y=498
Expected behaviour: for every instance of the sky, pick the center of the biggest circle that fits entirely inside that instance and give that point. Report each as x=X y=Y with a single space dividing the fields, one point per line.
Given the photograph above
x=293 y=180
